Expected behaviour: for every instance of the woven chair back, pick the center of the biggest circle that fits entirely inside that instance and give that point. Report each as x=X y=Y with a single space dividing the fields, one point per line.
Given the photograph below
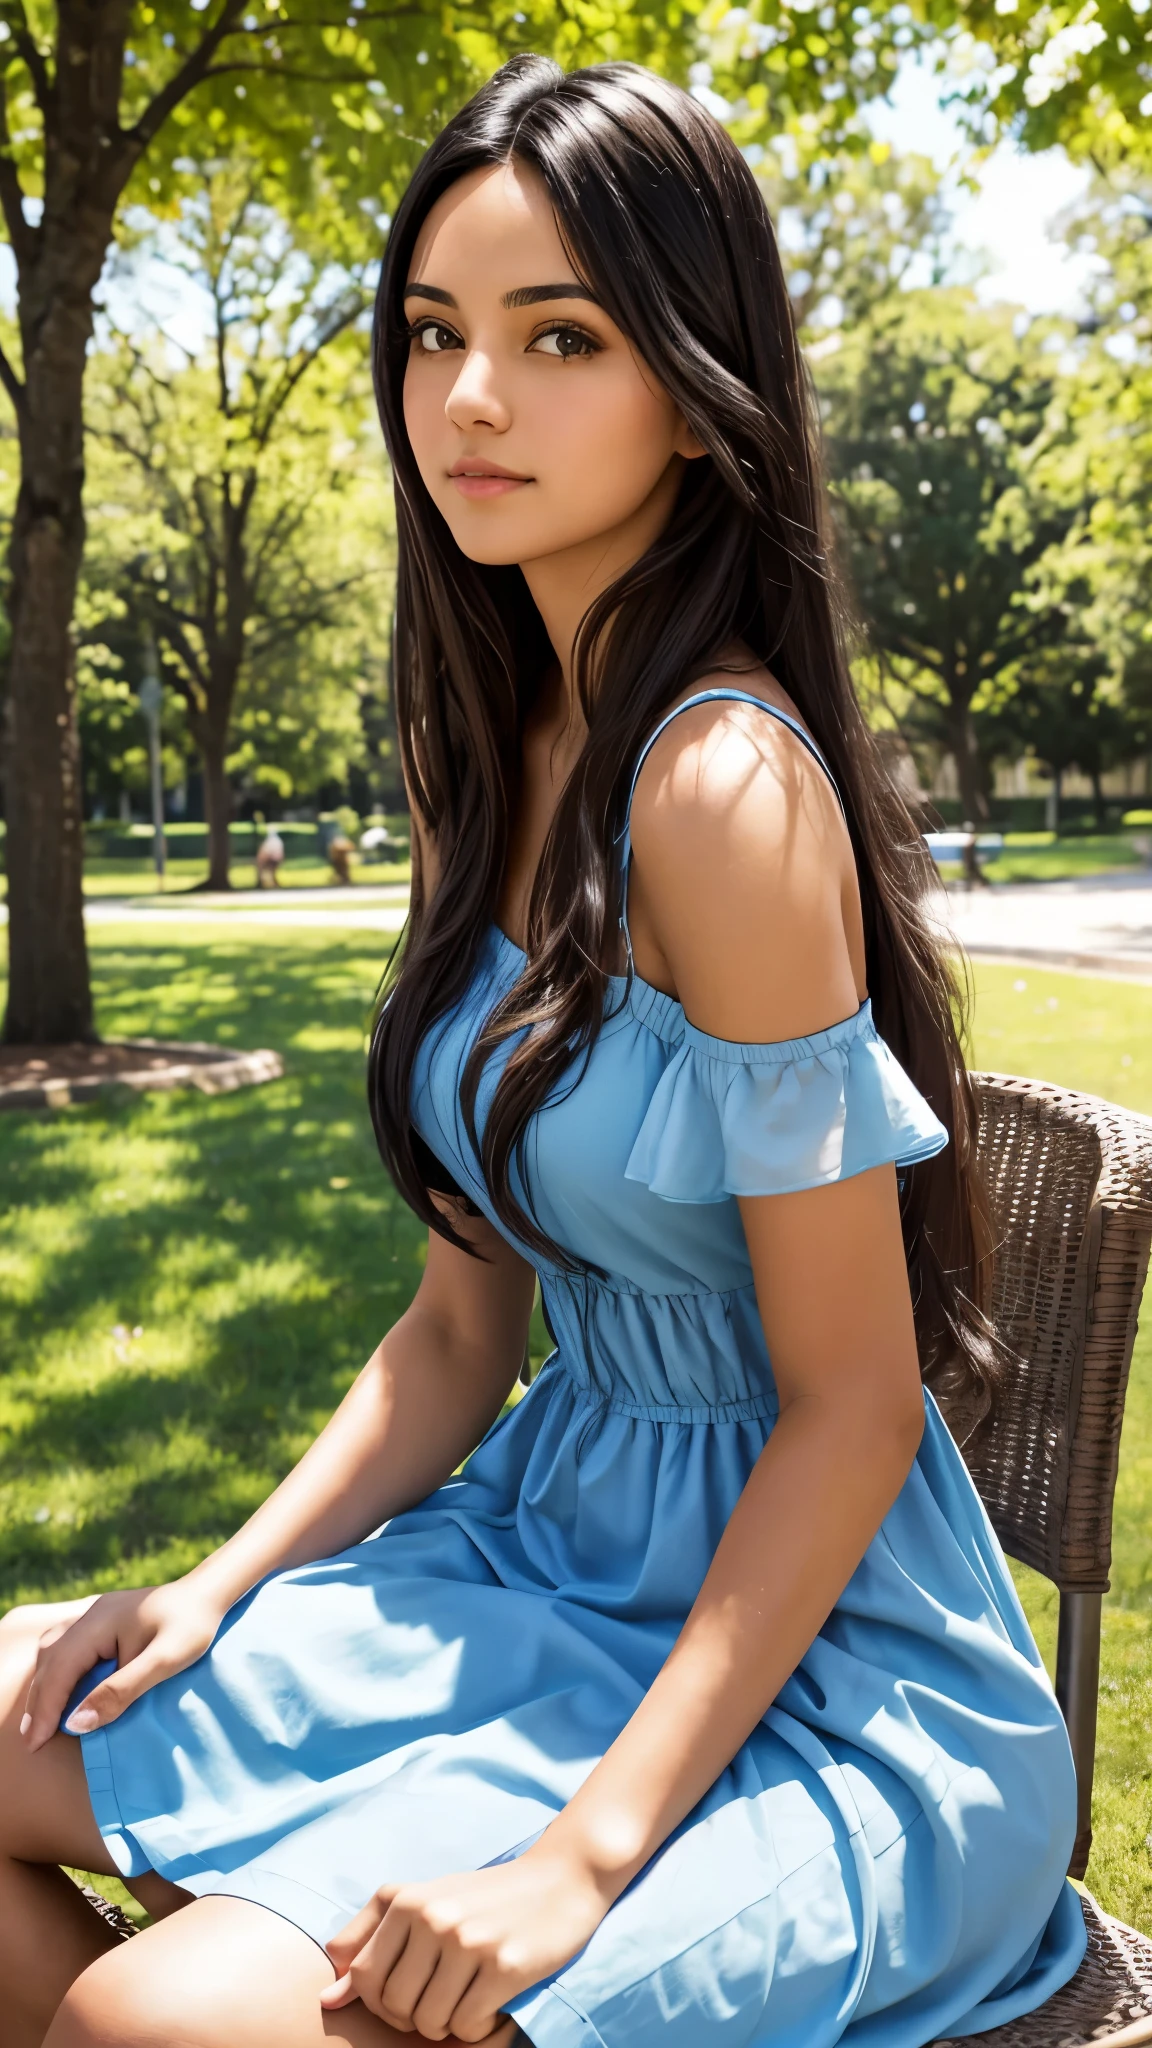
x=1069 y=1179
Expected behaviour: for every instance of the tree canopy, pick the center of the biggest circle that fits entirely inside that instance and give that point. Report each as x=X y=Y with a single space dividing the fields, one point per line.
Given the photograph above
x=1076 y=72
x=993 y=474
x=238 y=499
x=935 y=408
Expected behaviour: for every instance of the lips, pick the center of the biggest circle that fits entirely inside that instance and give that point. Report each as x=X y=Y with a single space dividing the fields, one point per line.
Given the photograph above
x=479 y=466
x=476 y=477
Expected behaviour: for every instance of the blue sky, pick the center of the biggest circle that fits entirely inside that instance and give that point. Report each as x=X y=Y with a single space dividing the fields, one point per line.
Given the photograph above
x=1006 y=222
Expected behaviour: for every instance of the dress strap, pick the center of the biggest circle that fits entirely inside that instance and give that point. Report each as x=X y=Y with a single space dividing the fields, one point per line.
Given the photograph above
x=725 y=694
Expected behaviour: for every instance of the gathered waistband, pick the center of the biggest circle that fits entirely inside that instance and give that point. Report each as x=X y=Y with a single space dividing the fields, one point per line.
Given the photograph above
x=684 y=1359
x=761 y=1409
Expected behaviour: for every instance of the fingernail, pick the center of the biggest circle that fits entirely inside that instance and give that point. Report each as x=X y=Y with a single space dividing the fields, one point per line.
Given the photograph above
x=25 y=1724
x=82 y=1720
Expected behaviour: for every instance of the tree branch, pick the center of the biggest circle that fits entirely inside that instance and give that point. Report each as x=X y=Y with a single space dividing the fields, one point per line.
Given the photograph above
x=25 y=45
x=24 y=238
x=278 y=536
x=11 y=383
x=339 y=19
x=338 y=322
x=287 y=626
x=224 y=396
x=171 y=625
x=190 y=74
x=284 y=71
x=198 y=64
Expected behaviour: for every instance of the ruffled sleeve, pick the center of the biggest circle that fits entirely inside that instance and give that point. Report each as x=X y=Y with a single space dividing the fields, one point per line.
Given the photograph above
x=728 y=1119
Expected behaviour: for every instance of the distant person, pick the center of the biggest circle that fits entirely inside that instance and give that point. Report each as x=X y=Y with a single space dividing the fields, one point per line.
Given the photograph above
x=374 y=843
x=973 y=872
x=269 y=858
x=340 y=851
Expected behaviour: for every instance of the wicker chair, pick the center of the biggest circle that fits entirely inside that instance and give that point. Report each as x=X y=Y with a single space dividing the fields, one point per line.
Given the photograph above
x=1070 y=1179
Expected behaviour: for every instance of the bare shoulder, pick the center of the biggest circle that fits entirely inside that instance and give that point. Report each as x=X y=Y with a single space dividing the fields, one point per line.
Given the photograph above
x=744 y=870
x=724 y=765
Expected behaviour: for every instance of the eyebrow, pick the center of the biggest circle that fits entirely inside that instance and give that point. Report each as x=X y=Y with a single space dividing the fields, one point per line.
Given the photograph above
x=524 y=295
x=536 y=294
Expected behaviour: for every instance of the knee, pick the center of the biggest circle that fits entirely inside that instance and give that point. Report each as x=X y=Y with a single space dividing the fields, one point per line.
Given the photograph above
x=108 y=2007
x=35 y=1618
x=20 y=1632
x=76 y=2023
x=220 y=1974
x=21 y=1624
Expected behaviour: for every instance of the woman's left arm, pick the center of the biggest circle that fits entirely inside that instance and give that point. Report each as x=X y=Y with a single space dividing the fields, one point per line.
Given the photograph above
x=832 y=1286
x=830 y=1272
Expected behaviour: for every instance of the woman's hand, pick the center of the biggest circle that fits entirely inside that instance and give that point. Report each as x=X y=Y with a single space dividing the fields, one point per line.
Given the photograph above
x=440 y=1959
x=150 y=1632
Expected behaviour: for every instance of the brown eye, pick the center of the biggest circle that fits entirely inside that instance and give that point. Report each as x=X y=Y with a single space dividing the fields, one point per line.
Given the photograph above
x=565 y=342
x=435 y=339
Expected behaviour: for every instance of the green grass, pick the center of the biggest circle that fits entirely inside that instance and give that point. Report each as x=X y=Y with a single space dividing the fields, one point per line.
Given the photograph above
x=1079 y=1030
x=108 y=877
x=256 y=1244
x=1097 y=1035
x=138 y=878
x=214 y=1227
x=1042 y=857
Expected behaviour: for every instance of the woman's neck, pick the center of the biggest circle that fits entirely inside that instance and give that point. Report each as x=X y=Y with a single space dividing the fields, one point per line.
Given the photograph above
x=564 y=585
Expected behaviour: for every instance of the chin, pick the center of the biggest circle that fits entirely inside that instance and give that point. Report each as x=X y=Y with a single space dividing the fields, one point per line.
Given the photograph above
x=491 y=553
x=498 y=544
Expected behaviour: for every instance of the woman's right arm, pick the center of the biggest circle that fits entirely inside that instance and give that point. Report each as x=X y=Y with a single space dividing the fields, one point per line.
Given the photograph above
x=423 y=1401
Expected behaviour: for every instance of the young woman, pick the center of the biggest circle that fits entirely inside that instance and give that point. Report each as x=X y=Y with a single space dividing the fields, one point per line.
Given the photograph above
x=697 y=1709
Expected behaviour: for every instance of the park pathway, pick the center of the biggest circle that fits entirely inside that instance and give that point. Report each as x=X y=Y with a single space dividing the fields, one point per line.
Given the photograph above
x=1101 y=924
x=355 y=909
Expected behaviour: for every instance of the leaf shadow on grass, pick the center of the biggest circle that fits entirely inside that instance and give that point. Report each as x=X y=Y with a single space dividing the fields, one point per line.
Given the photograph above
x=260 y=1288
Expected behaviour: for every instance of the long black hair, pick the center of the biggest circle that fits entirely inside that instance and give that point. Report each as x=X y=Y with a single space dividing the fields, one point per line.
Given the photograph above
x=664 y=221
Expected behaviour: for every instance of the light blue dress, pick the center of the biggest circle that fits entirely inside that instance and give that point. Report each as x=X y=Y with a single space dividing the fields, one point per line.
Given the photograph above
x=884 y=1859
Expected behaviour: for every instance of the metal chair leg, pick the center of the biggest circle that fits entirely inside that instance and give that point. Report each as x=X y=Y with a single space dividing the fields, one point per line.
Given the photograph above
x=1077 y=1689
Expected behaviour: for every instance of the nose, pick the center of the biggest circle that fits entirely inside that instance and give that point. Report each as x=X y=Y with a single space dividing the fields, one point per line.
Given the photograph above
x=475 y=399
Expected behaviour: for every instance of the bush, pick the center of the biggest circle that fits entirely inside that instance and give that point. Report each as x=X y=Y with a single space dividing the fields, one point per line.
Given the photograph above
x=331 y=824
x=1030 y=813
x=114 y=841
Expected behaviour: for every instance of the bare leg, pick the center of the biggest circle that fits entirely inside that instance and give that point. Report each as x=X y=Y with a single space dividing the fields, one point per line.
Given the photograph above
x=222 y=1974
x=219 y=1974
x=48 y=1934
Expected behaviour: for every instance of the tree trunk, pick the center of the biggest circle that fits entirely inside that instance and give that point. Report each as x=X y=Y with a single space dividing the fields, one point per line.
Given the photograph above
x=1098 y=799
x=88 y=157
x=218 y=812
x=1052 y=802
x=208 y=723
x=49 y=996
x=58 y=258
x=966 y=755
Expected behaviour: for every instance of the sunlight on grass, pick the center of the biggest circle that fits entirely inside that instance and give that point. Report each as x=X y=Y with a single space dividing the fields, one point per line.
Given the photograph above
x=188 y=1284
x=1079 y=1030
x=209 y=1226
x=1096 y=1035
x=137 y=877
